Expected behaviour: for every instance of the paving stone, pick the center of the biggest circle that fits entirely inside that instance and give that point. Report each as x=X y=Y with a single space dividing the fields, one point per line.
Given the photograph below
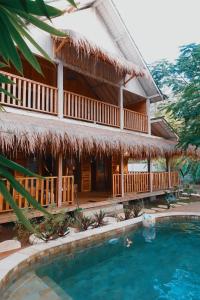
x=148 y=211
x=162 y=206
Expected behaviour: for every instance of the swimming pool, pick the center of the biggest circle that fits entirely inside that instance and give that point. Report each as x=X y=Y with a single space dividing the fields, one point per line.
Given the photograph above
x=161 y=263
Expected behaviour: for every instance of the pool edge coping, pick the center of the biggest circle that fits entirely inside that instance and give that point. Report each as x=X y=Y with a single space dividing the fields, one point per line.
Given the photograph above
x=22 y=259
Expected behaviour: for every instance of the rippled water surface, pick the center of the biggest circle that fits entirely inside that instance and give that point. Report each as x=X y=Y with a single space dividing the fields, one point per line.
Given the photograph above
x=162 y=263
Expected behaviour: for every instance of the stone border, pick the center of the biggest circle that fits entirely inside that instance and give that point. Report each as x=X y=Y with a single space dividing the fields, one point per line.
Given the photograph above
x=16 y=263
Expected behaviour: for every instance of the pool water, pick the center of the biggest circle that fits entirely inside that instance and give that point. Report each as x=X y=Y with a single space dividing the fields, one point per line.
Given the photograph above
x=161 y=263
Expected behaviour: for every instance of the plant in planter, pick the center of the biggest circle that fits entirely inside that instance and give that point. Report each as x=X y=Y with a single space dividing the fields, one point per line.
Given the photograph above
x=136 y=209
x=83 y=222
x=99 y=218
x=128 y=213
x=22 y=233
x=170 y=198
x=53 y=226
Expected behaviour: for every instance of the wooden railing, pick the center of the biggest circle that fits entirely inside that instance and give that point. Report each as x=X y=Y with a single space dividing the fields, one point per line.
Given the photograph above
x=136 y=182
x=140 y=182
x=43 y=190
x=116 y=185
x=68 y=189
x=30 y=95
x=135 y=121
x=175 y=180
x=84 y=108
x=160 y=181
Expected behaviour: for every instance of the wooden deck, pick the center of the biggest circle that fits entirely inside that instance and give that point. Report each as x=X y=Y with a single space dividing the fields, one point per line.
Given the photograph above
x=85 y=201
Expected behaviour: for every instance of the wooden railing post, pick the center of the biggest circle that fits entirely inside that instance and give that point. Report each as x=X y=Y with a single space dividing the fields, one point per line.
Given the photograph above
x=149 y=165
x=60 y=89
x=149 y=115
x=60 y=179
x=168 y=169
x=122 y=174
x=121 y=106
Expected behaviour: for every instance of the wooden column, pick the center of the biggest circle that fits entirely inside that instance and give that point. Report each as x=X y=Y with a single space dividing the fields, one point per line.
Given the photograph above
x=60 y=89
x=59 y=185
x=168 y=169
x=149 y=115
x=122 y=174
x=121 y=106
x=149 y=164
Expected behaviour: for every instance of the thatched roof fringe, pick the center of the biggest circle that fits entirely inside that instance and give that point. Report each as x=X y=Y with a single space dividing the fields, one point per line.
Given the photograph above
x=85 y=48
x=37 y=135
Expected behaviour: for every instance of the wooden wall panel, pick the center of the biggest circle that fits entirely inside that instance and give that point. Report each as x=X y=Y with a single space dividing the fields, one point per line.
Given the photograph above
x=138 y=107
x=76 y=83
x=85 y=175
x=49 y=71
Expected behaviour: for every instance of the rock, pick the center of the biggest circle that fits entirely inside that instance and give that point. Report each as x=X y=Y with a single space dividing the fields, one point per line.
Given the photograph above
x=110 y=220
x=72 y=230
x=34 y=240
x=9 y=245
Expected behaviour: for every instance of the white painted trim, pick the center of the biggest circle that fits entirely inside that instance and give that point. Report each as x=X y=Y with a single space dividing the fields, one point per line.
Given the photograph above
x=60 y=89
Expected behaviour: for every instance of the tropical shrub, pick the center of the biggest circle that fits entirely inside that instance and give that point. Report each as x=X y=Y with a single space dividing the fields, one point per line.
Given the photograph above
x=53 y=226
x=136 y=209
x=84 y=222
x=99 y=218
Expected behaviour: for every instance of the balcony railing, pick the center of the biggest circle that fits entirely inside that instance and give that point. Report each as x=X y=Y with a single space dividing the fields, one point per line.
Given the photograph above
x=135 y=121
x=140 y=182
x=43 y=190
x=30 y=95
x=35 y=96
x=84 y=108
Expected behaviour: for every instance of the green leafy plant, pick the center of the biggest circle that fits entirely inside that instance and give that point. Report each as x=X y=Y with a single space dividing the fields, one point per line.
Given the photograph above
x=128 y=213
x=136 y=209
x=84 y=222
x=169 y=198
x=22 y=233
x=180 y=80
x=15 y=18
x=99 y=218
x=53 y=226
x=187 y=189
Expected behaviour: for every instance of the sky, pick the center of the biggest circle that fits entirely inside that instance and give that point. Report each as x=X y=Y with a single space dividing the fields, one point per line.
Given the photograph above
x=159 y=27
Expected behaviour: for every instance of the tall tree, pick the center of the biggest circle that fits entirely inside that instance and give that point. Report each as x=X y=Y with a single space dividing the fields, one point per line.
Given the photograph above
x=180 y=80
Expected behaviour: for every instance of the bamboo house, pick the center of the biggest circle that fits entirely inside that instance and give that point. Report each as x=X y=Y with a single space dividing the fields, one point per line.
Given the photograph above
x=81 y=123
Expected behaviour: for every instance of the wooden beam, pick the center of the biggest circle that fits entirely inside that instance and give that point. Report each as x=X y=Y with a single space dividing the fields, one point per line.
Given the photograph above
x=131 y=77
x=80 y=71
x=121 y=106
x=149 y=164
x=149 y=115
x=168 y=169
x=62 y=43
x=122 y=175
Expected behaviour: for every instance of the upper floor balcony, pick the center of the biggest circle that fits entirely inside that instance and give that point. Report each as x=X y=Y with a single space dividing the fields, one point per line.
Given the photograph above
x=40 y=97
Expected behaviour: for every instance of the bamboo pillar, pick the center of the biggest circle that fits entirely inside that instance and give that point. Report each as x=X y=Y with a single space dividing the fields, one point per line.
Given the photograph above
x=168 y=169
x=149 y=164
x=60 y=89
x=122 y=174
x=121 y=106
x=149 y=115
x=60 y=187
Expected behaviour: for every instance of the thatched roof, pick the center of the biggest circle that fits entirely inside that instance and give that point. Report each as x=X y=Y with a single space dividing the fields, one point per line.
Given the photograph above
x=77 y=50
x=39 y=135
